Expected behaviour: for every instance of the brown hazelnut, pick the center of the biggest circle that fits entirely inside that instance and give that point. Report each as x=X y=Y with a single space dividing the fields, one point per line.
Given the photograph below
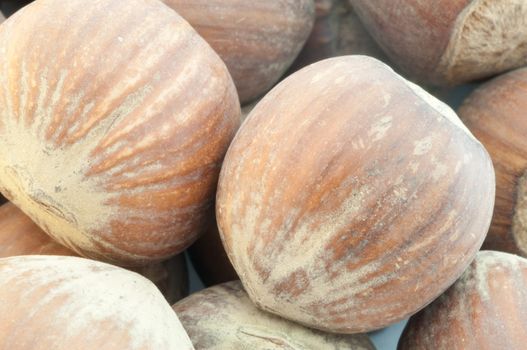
x=496 y=113
x=257 y=40
x=485 y=309
x=63 y=303
x=223 y=317
x=115 y=118
x=449 y=41
x=349 y=189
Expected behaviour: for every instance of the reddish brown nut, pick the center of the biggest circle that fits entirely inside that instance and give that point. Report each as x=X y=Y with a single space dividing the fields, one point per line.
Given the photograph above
x=111 y=140
x=63 y=303
x=337 y=32
x=497 y=115
x=223 y=317
x=449 y=41
x=257 y=40
x=21 y=236
x=485 y=309
x=349 y=189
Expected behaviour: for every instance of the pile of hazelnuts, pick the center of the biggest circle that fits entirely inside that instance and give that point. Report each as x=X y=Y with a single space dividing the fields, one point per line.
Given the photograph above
x=298 y=152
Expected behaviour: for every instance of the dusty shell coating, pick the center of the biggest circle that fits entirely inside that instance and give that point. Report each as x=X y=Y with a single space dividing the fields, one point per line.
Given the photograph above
x=111 y=139
x=21 y=236
x=337 y=32
x=497 y=115
x=223 y=317
x=449 y=41
x=62 y=303
x=257 y=40
x=346 y=190
x=485 y=309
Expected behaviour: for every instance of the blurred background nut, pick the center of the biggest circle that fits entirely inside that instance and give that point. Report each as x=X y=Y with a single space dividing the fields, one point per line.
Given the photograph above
x=496 y=113
x=257 y=40
x=337 y=32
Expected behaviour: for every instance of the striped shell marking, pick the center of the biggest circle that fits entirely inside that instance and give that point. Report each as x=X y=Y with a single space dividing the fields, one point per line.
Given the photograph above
x=257 y=40
x=497 y=115
x=21 y=236
x=349 y=189
x=485 y=309
x=223 y=317
x=64 y=303
x=114 y=119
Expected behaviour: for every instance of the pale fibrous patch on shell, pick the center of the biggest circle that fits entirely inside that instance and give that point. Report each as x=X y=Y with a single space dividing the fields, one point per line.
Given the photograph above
x=102 y=144
x=489 y=37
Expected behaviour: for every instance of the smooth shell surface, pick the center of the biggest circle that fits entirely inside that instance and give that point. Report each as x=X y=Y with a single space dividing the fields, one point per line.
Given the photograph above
x=223 y=317
x=349 y=189
x=497 y=115
x=63 y=303
x=21 y=236
x=485 y=309
x=114 y=119
x=257 y=40
x=449 y=41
